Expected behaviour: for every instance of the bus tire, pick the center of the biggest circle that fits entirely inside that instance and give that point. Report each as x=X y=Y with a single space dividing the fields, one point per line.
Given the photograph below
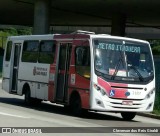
x=75 y=105
x=67 y=108
x=128 y=115
x=27 y=97
x=36 y=101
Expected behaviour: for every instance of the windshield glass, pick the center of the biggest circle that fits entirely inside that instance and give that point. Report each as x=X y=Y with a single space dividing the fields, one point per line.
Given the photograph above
x=123 y=60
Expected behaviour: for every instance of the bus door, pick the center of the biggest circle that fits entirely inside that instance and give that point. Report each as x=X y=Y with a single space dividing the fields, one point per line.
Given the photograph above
x=63 y=72
x=14 y=67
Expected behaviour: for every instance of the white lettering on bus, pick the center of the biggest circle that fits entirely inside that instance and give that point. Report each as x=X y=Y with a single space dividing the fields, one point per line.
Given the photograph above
x=117 y=47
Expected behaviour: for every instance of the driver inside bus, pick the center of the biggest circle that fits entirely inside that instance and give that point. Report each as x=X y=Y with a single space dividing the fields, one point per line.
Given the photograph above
x=102 y=64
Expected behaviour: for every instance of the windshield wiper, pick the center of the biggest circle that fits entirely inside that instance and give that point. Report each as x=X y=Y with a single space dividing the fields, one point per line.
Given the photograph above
x=138 y=73
x=116 y=69
x=117 y=66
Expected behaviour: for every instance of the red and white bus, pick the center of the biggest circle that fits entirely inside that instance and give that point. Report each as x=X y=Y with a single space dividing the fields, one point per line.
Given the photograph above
x=82 y=70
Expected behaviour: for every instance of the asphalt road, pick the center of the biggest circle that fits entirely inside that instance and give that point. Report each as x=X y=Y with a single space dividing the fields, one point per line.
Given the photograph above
x=14 y=113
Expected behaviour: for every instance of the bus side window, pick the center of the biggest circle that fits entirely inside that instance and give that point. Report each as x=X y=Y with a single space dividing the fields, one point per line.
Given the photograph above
x=47 y=52
x=30 y=51
x=83 y=61
x=8 y=51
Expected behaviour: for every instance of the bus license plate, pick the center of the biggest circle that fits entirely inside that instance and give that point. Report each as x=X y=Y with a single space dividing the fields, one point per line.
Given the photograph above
x=127 y=103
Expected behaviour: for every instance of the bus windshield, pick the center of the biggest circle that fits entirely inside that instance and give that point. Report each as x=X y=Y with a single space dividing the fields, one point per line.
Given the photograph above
x=123 y=60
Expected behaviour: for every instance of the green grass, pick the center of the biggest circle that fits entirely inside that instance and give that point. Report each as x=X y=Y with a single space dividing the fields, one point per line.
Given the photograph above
x=156 y=111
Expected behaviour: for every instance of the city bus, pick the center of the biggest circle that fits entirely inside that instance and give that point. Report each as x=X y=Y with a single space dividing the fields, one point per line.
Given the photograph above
x=83 y=71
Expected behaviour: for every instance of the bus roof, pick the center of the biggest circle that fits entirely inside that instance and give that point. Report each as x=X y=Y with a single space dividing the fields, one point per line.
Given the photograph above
x=117 y=37
x=77 y=35
x=32 y=37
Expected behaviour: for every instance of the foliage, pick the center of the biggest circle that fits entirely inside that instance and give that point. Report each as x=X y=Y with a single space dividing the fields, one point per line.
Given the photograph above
x=156 y=50
x=3 y=38
x=156 y=110
x=25 y=31
x=12 y=32
x=155 y=45
x=157 y=103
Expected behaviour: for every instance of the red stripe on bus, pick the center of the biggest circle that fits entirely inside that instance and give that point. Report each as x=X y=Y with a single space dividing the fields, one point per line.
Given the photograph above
x=50 y=92
x=118 y=92
x=51 y=84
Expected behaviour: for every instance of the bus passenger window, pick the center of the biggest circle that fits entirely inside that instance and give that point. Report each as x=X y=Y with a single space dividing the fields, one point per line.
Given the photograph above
x=47 y=52
x=30 y=51
x=83 y=61
x=8 y=51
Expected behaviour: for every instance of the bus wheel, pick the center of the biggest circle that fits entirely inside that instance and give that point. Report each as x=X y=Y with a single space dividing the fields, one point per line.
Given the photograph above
x=27 y=97
x=128 y=115
x=75 y=104
x=36 y=102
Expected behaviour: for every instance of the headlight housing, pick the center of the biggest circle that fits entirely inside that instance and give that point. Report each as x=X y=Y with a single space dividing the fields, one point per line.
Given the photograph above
x=150 y=93
x=100 y=89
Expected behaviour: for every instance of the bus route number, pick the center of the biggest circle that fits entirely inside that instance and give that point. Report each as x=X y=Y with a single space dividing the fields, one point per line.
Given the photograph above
x=136 y=93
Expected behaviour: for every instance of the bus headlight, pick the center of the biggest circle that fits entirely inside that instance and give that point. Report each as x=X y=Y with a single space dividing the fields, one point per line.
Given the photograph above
x=100 y=89
x=150 y=93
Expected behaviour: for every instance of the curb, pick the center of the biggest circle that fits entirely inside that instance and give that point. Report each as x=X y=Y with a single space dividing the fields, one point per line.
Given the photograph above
x=150 y=115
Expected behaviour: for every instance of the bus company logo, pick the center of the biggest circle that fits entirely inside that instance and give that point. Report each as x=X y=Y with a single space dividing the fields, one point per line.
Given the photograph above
x=40 y=71
x=34 y=71
x=127 y=93
x=112 y=93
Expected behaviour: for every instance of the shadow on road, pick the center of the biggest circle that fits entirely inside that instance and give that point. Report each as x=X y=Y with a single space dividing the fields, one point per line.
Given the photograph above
x=51 y=108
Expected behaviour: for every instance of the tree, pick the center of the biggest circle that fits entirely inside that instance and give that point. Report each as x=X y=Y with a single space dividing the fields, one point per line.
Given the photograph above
x=12 y=32
x=155 y=45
